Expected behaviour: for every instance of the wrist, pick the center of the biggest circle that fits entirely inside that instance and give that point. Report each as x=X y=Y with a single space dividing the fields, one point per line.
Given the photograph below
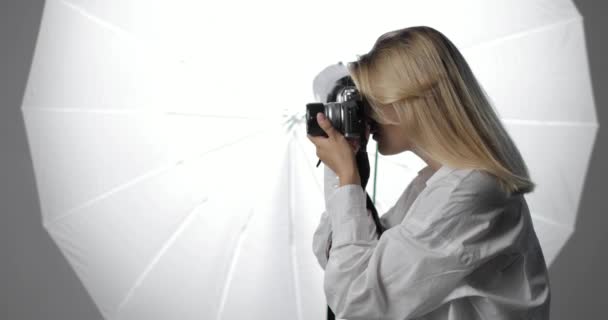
x=350 y=178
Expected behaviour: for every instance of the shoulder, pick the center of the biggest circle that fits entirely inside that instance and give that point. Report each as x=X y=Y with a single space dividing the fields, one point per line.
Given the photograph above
x=470 y=184
x=480 y=186
x=459 y=194
x=474 y=205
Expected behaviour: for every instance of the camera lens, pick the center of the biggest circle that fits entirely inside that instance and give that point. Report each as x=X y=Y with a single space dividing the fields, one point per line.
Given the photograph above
x=333 y=111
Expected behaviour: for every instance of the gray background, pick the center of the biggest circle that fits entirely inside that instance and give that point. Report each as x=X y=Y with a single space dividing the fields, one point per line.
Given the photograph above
x=36 y=282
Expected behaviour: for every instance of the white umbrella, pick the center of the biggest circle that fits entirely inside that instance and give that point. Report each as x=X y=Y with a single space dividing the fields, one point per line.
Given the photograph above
x=172 y=164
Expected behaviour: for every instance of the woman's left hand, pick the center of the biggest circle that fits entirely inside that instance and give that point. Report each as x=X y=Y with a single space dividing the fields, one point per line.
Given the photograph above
x=336 y=152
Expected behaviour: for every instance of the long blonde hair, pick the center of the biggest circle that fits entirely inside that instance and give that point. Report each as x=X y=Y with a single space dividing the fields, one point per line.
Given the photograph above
x=421 y=74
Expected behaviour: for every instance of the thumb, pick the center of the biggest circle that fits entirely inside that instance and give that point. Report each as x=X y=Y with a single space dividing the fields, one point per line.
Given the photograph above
x=325 y=124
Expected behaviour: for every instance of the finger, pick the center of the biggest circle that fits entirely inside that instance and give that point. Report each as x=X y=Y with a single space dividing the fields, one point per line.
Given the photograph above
x=312 y=139
x=325 y=124
x=354 y=144
x=316 y=140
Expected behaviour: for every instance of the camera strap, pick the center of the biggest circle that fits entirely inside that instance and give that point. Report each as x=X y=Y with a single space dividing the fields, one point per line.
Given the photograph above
x=364 y=173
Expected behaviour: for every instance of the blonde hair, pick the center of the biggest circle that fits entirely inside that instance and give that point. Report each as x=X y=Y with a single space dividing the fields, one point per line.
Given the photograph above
x=421 y=74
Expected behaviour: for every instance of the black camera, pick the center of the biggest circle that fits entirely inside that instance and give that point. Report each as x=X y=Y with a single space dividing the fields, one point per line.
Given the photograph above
x=347 y=112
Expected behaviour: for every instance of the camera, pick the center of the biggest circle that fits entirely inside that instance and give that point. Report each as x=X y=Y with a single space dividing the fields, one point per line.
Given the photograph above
x=347 y=111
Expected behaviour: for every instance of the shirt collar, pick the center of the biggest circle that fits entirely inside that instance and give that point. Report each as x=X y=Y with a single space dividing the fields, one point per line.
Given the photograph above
x=428 y=176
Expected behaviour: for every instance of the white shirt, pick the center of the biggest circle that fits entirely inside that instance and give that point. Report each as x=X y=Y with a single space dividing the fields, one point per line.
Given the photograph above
x=456 y=247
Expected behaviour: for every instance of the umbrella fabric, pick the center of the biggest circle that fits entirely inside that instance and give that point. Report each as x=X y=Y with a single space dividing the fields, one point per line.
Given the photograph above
x=170 y=153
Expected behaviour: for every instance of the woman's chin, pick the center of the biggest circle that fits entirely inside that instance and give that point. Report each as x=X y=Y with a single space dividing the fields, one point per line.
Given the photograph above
x=386 y=152
x=381 y=150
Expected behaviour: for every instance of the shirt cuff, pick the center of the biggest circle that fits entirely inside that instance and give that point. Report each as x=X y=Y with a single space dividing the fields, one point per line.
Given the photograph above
x=349 y=217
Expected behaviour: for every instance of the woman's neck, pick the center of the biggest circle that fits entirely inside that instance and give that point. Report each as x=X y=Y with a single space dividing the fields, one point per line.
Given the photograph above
x=430 y=162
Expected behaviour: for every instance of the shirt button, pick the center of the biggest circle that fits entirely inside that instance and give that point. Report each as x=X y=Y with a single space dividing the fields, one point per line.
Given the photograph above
x=466 y=258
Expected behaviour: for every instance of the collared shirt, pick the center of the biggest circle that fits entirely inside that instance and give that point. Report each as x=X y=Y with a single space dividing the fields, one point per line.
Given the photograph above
x=456 y=247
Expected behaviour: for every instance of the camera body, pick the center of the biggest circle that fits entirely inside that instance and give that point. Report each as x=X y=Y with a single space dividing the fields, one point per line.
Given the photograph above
x=347 y=113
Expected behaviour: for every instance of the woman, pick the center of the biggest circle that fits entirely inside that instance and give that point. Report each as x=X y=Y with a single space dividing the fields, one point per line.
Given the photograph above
x=459 y=243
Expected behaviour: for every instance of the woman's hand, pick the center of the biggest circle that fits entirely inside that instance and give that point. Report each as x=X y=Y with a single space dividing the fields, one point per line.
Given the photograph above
x=336 y=152
x=356 y=143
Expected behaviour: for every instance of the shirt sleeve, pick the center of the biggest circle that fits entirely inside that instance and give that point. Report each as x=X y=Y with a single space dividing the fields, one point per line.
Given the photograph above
x=323 y=234
x=321 y=239
x=412 y=268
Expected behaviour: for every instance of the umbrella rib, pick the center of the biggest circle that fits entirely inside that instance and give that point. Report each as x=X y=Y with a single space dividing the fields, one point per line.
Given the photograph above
x=119 y=31
x=309 y=165
x=147 y=175
x=547 y=221
x=91 y=110
x=116 y=29
x=187 y=220
x=291 y=215
x=522 y=33
x=233 y=260
x=139 y=110
x=551 y=123
x=203 y=115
